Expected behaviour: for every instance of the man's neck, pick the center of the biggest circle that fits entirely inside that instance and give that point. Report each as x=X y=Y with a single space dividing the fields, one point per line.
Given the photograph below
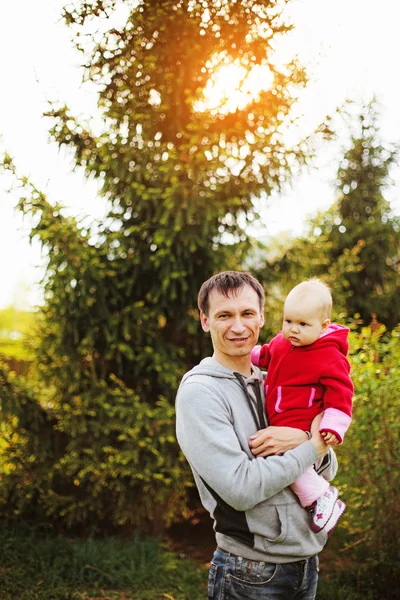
x=240 y=364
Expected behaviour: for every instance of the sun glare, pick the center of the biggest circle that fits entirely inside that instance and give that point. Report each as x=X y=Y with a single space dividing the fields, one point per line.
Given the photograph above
x=232 y=87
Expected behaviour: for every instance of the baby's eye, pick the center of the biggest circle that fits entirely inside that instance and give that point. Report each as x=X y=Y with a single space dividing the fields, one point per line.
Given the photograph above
x=303 y=324
x=288 y=321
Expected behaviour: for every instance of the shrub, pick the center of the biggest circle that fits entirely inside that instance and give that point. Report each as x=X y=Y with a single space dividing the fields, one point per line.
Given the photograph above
x=105 y=459
x=370 y=464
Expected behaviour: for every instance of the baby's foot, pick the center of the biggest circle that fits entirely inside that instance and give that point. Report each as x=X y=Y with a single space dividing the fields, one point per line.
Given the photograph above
x=322 y=509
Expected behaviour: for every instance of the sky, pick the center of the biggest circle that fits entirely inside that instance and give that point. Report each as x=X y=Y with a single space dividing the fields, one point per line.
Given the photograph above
x=352 y=48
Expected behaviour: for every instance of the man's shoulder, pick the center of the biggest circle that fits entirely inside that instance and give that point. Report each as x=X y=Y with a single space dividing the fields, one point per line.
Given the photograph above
x=203 y=392
x=208 y=374
x=210 y=383
x=206 y=368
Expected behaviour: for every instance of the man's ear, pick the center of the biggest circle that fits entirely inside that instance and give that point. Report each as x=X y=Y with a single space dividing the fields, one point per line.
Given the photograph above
x=262 y=319
x=325 y=324
x=204 y=321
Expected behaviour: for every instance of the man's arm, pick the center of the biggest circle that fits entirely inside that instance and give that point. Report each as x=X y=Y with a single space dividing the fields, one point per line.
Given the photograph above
x=276 y=440
x=208 y=439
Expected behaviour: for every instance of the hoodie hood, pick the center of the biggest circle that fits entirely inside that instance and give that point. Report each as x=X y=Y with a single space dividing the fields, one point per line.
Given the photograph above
x=214 y=374
x=212 y=368
x=336 y=335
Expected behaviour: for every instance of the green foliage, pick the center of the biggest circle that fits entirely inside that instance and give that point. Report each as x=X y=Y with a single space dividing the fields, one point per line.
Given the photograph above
x=104 y=457
x=339 y=587
x=355 y=245
x=370 y=465
x=363 y=235
x=118 y=327
x=35 y=567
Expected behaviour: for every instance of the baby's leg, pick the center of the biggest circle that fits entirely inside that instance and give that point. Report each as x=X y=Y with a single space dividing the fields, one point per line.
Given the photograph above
x=315 y=493
x=309 y=487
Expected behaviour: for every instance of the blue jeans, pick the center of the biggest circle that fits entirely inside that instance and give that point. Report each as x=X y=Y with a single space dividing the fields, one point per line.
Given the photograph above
x=234 y=578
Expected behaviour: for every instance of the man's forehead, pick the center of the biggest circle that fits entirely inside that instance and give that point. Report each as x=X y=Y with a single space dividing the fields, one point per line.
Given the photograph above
x=235 y=298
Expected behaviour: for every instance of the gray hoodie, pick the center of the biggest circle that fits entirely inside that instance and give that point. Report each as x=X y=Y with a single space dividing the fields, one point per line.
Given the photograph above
x=256 y=515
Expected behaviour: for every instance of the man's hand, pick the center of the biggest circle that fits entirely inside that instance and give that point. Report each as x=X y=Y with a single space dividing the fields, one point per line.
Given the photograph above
x=276 y=440
x=330 y=438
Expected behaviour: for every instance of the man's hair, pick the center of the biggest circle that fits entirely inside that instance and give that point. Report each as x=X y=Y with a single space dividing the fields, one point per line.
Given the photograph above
x=315 y=286
x=228 y=283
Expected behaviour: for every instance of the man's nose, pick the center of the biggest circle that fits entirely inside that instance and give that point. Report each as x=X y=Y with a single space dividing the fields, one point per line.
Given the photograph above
x=237 y=326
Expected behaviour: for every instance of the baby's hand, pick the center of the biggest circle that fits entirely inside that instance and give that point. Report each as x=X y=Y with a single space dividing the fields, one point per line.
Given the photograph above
x=330 y=438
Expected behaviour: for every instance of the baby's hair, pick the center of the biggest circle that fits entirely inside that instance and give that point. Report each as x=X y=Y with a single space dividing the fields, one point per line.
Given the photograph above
x=315 y=285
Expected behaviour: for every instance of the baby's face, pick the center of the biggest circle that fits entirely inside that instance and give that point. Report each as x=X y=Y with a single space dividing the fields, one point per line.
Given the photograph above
x=302 y=323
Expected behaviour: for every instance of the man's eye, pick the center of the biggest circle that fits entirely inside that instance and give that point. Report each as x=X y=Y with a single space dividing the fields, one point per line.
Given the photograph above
x=222 y=316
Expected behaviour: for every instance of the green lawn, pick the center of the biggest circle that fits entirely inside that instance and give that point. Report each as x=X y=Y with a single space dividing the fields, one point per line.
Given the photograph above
x=43 y=568
x=38 y=567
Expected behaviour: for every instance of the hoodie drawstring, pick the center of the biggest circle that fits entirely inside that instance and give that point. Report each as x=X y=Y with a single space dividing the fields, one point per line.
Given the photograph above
x=259 y=416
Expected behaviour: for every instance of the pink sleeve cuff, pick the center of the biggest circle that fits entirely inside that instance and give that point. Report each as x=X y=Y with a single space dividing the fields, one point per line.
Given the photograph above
x=255 y=355
x=335 y=421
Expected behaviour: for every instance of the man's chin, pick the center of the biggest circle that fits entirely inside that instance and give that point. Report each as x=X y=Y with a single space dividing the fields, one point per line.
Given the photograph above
x=241 y=352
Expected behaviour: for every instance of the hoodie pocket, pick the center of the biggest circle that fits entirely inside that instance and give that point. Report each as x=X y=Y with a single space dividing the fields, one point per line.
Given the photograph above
x=292 y=397
x=283 y=530
x=276 y=525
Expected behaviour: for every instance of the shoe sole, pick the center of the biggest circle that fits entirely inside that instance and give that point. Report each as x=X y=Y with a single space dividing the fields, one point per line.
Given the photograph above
x=317 y=528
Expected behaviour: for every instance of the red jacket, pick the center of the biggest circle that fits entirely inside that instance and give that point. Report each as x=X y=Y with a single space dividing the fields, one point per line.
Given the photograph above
x=304 y=381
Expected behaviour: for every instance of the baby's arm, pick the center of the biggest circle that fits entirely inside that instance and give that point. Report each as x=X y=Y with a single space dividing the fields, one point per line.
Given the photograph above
x=260 y=356
x=337 y=401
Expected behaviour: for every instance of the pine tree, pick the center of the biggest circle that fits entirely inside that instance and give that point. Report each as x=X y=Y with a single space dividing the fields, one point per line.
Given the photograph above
x=354 y=245
x=119 y=320
x=364 y=233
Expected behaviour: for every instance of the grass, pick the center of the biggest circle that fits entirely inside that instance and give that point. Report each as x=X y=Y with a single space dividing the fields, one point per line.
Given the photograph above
x=39 y=567
x=335 y=589
x=339 y=577
x=34 y=567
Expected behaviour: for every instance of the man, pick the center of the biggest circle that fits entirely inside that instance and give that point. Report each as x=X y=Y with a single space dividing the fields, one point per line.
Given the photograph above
x=266 y=549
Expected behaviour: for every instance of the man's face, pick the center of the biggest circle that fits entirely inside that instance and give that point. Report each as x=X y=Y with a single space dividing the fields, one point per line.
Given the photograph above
x=234 y=323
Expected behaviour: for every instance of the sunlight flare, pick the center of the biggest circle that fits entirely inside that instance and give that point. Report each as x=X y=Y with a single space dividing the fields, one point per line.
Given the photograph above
x=232 y=87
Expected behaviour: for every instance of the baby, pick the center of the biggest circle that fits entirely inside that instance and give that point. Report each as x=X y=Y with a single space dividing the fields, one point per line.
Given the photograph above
x=308 y=374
